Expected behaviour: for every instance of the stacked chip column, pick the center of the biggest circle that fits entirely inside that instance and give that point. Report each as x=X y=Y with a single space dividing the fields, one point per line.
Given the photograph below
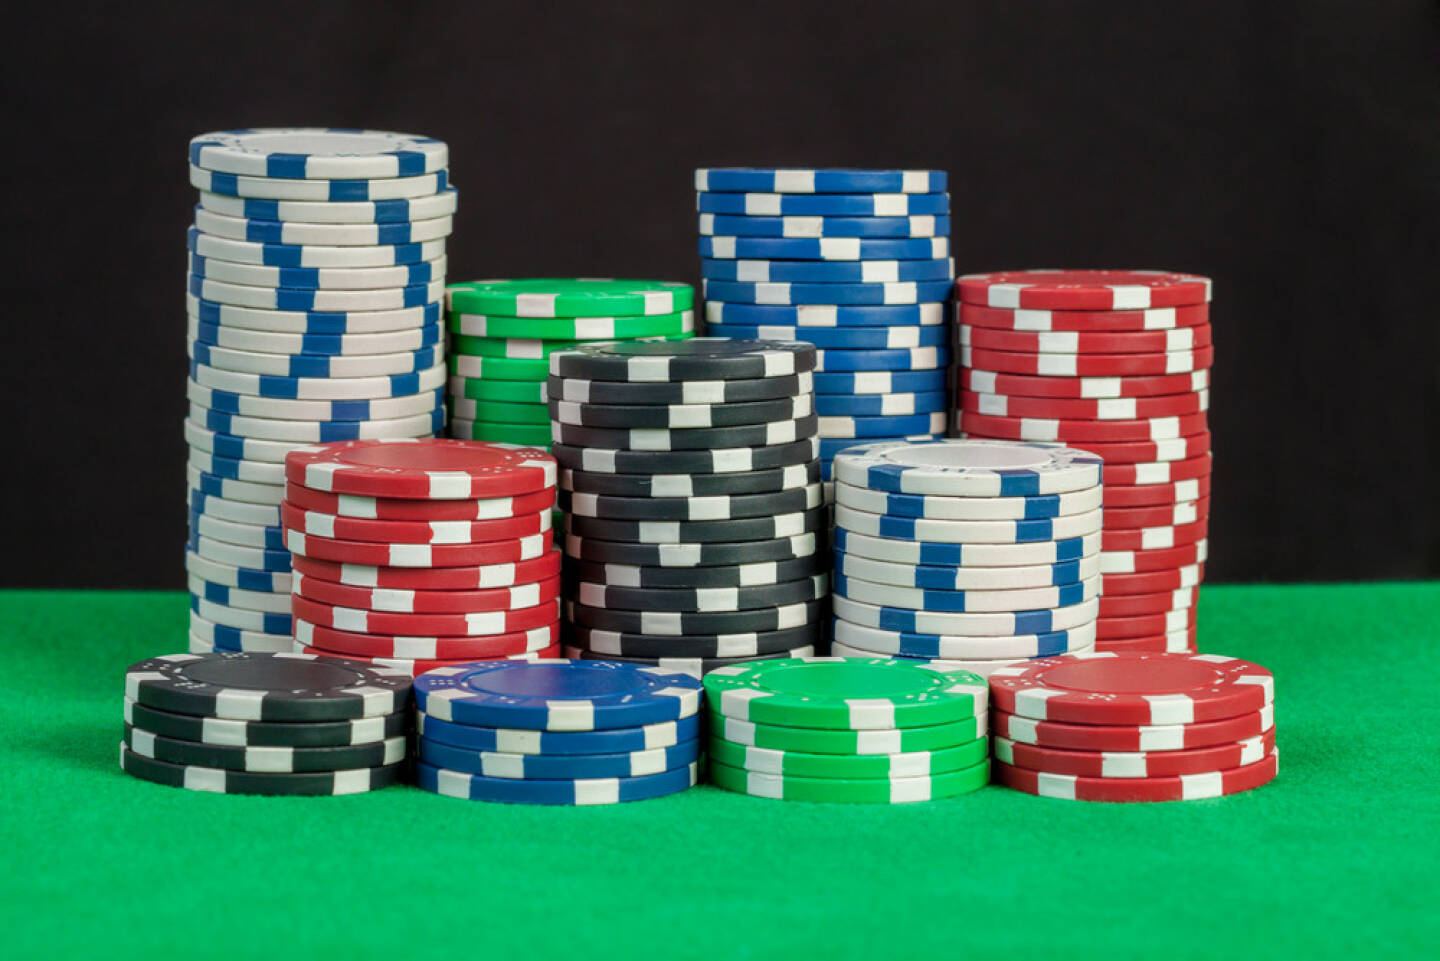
x=695 y=522
x=502 y=331
x=856 y=262
x=316 y=270
x=1115 y=362
x=974 y=553
x=422 y=554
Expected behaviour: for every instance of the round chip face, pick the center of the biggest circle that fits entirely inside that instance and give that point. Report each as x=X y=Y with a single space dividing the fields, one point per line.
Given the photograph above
x=427 y=468
x=266 y=687
x=968 y=468
x=1133 y=688
x=318 y=153
x=1188 y=787
x=558 y=695
x=845 y=694
x=701 y=358
x=1084 y=289
x=570 y=297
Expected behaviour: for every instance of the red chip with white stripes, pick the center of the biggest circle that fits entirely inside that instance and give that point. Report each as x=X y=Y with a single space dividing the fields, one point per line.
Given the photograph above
x=399 y=509
x=985 y=380
x=417 y=555
x=1033 y=319
x=441 y=625
x=339 y=642
x=1085 y=342
x=427 y=602
x=472 y=577
x=1089 y=365
x=413 y=532
x=1080 y=408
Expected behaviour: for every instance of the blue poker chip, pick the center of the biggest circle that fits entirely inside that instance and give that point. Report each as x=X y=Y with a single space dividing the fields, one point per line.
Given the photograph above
x=821 y=205
x=875 y=405
x=712 y=225
x=516 y=741
x=238 y=578
x=833 y=249
x=557 y=695
x=233 y=619
x=836 y=272
x=325 y=431
x=310 y=278
x=559 y=766
x=832 y=180
x=839 y=338
x=313 y=256
x=915 y=358
x=312 y=321
x=880 y=382
x=476 y=787
x=902 y=425
x=830 y=446
x=826 y=315
x=326 y=345
x=910 y=644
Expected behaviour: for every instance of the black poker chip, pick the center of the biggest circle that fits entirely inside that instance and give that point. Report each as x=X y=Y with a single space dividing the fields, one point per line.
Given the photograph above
x=704 y=508
x=684 y=555
x=721 y=460
x=773 y=618
x=701 y=599
x=698 y=391
x=733 y=575
x=691 y=485
x=700 y=358
x=267 y=760
x=306 y=734
x=700 y=532
x=770 y=434
x=745 y=644
x=220 y=781
x=678 y=416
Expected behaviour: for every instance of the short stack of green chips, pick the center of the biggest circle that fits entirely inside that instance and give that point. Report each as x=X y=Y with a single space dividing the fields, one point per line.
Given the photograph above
x=502 y=333
x=854 y=730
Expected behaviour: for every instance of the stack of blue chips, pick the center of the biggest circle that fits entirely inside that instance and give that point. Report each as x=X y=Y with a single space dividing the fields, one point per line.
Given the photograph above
x=557 y=732
x=856 y=262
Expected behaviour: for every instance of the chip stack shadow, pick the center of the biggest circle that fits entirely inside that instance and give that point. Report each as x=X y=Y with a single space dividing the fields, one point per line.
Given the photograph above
x=316 y=273
x=856 y=262
x=695 y=523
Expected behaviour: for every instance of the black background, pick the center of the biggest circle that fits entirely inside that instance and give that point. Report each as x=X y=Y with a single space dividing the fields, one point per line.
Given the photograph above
x=1289 y=150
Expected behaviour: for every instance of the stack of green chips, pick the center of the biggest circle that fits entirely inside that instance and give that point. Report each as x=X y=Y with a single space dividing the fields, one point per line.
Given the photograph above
x=503 y=332
x=856 y=730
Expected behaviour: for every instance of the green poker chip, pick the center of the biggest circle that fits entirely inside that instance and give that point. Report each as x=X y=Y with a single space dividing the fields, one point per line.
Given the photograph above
x=571 y=328
x=499 y=391
x=498 y=368
x=847 y=694
x=570 y=297
x=808 y=740
x=861 y=766
x=529 y=434
x=521 y=349
x=876 y=790
x=499 y=413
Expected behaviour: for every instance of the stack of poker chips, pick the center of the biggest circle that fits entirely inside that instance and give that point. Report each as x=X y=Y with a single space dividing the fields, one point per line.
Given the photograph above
x=1128 y=726
x=975 y=553
x=858 y=730
x=241 y=723
x=502 y=331
x=317 y=266
x=1117 y=363
x=424 y=553
x=557 y=732
x=856 y=262
x=694 y=517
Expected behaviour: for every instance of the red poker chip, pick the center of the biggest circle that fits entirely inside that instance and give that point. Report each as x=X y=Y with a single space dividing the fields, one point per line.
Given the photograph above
x=396 y=509
x=1153 y=538
x=427 y=602
x=1157 y=472
x=1151 y=582
x=1148 y=452
x=1133 y=562
x=1084 y=342
x=1088 y=409
x=1084 y=289
x=1161 y=602
x=986 y=380
x=1080 y=431
x=471 y=577
x=1089 y=365
x=417 y=667
x=418 y=555
x=1169 y=515
x=428 y=468
x=1132 y=688
x=1131 y=737
x=1149 y=495
x=1115 y=627
x=1190 y=787
x=476 y=623
x=413 y=532
x=1038 y=319
x=1178 y=642
x=349 y=643
x=1135 y=764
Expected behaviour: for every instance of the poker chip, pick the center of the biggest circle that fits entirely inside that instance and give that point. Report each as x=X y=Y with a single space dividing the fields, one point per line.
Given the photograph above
x=310 y=278
x=514 y=597
x=236 y=511
x=696 y=667
x=720 y=507
x=727 y=225
x=1116 y=627
x=691 y=555
x=1148 y=495
x=570 y=298
x=422 y=469
x=252 y=558
x=674 y=416
x=492 y=764
x=825 y=315
x=498 y=368
x=690 y=485
x=871 y=742
x=273 y=734
x=703 y=358
x=870 y=204
x=1102 y=409
x=414 y=555
x=463 y=408
x=1085 y=342
x=268 y=760
x=941 y=507
x=981 y=379
x=762 y=619
x=735 y=575
x=795 y=294
x=326 y=234
x=954 y=578
x=571 y=329
x=293 y=298
x=699 y=599
x=700 y=532
x=318 y=153
x=687 y=438
x=302 y=365
x=281 y=342
x=970 y=469
x=317 y=388
x=496 y=391
x=687 y=392
x=558 y=743
x=961 y=602
x=400 y=509
x=413 y=532
x=1089 y=365
x=1187 y=787
x=220 y=781
x=469 y=623
x=914 y=358
x=1142 y=764
x=1133 y=738
x=881 y=405
x=879 y=382
x=753 y=644
x=1084 y=431
x=812 y=271
x=612 y=790
x=861 y=767
x=414 y=667
x=277 y=408
x=1084 y=321
x=1158 y=472
x=880 y=642
x=302 y=257
x=1083 y=289
x=1175 y=642
x=1132 y=605
x=528 y=435
x=790 y=180
x=514 y=348
x=1182 y=512
x=1152 y=538
x=262 y=622
x=477 y=646
x=213 y=485
x=440 y=204
x=290 y=188
x=917 y=621
x=963 y=555
x=311 y=432
x=966 y=532
x=719 y=247
x=467 y=578
x=1172 y=579
x=229 y=576
x=723 y=460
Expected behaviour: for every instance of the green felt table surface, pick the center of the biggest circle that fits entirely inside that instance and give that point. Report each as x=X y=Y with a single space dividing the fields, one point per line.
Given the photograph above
x=1337 y=858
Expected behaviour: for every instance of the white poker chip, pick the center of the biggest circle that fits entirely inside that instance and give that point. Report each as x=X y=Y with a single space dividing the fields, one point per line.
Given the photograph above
x=318 y=153
x=968 y=468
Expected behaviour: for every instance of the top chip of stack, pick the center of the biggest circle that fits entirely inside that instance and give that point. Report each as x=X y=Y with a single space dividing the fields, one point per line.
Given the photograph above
x=856 y=262
x=422 y=554
x=502 y=331
x=317 y=261
x=237 y=723
x=1115 y=362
